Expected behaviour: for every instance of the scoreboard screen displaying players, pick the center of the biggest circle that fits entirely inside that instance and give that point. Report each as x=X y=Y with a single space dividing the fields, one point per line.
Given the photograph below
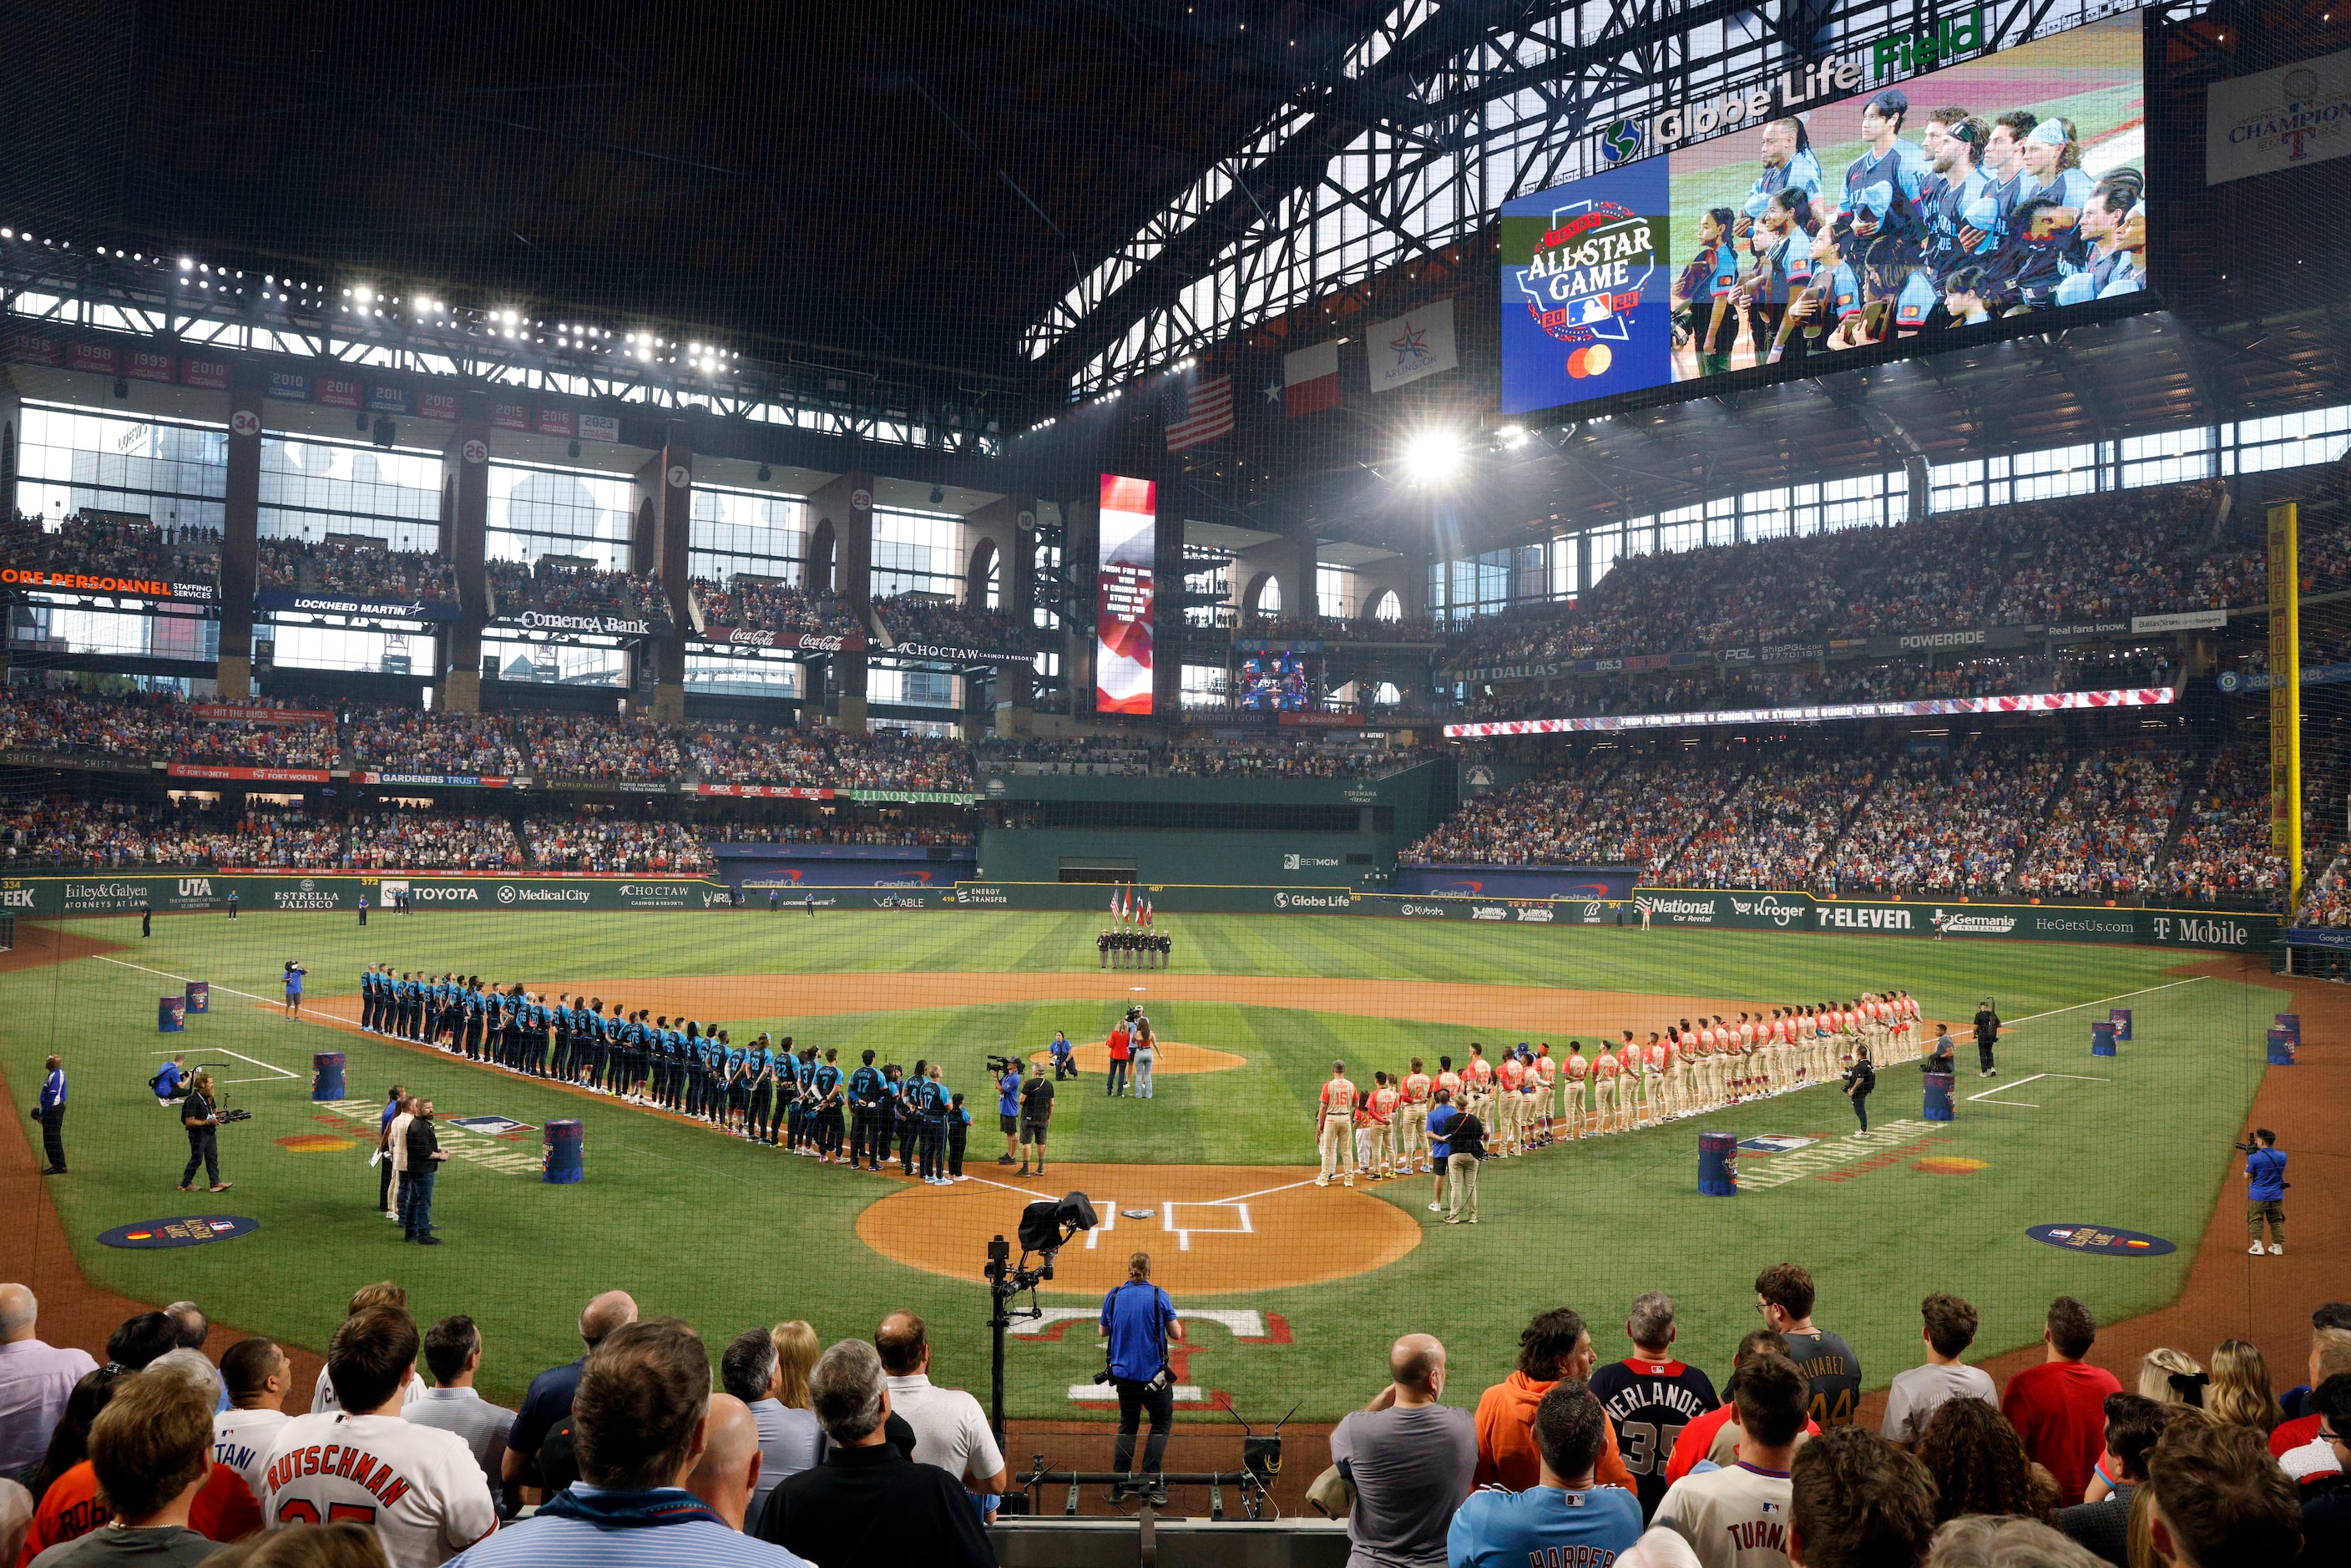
x=2011 y=182
x=1276 y=683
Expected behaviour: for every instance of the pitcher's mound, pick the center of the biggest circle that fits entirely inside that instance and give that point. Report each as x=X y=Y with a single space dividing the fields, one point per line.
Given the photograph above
x=1167 y=1056
x=1212 y=1229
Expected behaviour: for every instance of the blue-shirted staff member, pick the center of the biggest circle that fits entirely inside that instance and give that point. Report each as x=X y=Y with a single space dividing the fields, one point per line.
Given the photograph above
x=2265 y=1191
x=865 y=1111
x=1008 y=1111
x=52 y=1117
x=1139 y=1320
x=170 y=1080
x=1064 y=1055
x=294 y=973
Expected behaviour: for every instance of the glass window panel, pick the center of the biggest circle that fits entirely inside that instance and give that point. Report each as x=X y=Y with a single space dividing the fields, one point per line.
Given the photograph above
x=536 y=512
x=753 y=531
x=170 y=473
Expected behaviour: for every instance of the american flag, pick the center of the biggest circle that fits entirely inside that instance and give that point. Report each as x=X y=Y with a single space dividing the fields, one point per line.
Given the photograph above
x=1204 y=412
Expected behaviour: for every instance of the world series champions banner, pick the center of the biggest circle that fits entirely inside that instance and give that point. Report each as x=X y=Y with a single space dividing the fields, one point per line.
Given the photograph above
x=1125 y=586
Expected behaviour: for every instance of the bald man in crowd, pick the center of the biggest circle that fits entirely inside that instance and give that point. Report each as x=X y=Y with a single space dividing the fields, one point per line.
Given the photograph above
x=549 y=1399
x=728 y=1471
x=1409 y=1458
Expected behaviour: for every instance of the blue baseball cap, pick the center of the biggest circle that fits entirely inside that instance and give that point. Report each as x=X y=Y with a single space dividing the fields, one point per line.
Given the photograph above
x=2050 y=132
x=1874 y=199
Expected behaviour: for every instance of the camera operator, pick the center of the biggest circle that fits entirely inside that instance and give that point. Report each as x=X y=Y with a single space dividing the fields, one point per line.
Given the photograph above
x=1008 y=1105
x=202 y=1118
x=2265 y=1191
x=1140 y=1319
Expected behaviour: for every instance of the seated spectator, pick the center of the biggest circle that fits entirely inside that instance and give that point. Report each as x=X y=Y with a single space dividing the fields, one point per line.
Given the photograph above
x=2172 y=1377
x=753 y=1371
x=259 y=1377
x=1985 y=1540
x=2330 y=1353
x=2058 y=1408
x=2220 y=1501
x=1857 y=1501
x=1563 y=1517
x=607 y=841
x=2330 y=1316
x=35 y=1380
x=1410 y=1460
x=1980 y=1466
x=727 y=1473
x=331 y=1545
x=2239 y=1395
x=222 y=1507
x=2133 y=1424
x=950 y=1428
x=444 y=1505
x=1554 y=1344
x=453 y=1352
x=640 y=1419
x=1738 y=1517
x=69 y=1442
x=150 y=1455
x=1917 y=1394
x=868 y=1503
x=2326 y=1499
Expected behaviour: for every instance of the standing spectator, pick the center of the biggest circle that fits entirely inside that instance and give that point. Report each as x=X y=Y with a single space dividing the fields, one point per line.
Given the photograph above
x=53 y=1117
x=1784 y=1294
x=1553 y=1346
x=752 y=1370
x=727 y=1473
x=1650 y=1396
x=444 y=1505
x=382 y=1293
x=641 y=1411
x=1857 y=1501
x=1714 y=1437
x=950 y=1429
x=1738 y=1517
x=223 y=1509
x=2335 y=1315
x=426 y=1156
x=1410 y=1460
x=395 y=1145
x=259 y=1380
x=548 y=1400
x=384 y=1162
x=2171 y=1376
x=2220 y=1501
x=1121 y=1051
x=2240 y=1394
x=1139 y=1320
x=453 y=1352
x=2132 y=1426
x=2265 y=1191
x=1979 y=1465
x=1989 y=1541
x=868 y=1503
x=2058 y=1408
x=2330 y=1353
x=36 y=1379
x=1565 y=1517
x=2326 y=1504
x=151 y=1454
x=1464 y=1143
x=1917 y=1394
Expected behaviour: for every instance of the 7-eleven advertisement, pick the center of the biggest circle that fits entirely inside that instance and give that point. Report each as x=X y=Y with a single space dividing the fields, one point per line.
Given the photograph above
x=1123 y=589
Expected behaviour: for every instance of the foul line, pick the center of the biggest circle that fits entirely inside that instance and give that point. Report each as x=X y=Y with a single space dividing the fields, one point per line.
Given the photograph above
x=241 y=1056
x=2077 y=1006
x=2020 y=1083
x=1266 y=1192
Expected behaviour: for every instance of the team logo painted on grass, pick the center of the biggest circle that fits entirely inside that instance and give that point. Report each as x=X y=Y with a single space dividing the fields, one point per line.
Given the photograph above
x=1949 y=1165
x=192 y=1231
x=1775 y=1143
x=490 y=1126
x=313 y=1143
x=2101 y=1239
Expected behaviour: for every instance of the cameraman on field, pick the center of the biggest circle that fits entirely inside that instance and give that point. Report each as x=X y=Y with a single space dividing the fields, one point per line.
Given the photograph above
x=1140 y=1319
x=202 y=1118
x=2265 y=1191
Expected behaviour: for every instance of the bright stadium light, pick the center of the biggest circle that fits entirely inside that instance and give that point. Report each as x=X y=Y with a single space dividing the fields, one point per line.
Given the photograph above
x=1432 y=456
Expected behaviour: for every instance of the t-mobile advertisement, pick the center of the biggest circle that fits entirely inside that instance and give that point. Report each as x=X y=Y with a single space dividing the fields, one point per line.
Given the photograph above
x=1123 y=589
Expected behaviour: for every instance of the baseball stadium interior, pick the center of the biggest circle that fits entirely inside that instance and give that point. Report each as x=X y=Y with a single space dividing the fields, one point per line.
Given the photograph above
x=1626 y=724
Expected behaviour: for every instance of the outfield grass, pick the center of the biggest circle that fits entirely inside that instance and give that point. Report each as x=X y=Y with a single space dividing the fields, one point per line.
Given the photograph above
x=729 y=1236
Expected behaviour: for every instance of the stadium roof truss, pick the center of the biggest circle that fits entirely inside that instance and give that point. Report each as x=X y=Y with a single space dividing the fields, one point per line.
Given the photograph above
x=1408 y=141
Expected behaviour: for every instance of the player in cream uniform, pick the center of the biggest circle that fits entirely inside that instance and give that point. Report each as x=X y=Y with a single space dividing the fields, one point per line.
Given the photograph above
x=1605 y=1072
x=1509 y=1079
x=1387 y=1107
x=1657 y=1077
x=1574 y=1079
x=1478 y=1086
x=1450 y=1083
x=1412 y=1120
x=1678 y=1071
x=1784 y=1048
x=1709 y=1066
x=1824 y=1046
x=1335 y=1126
x=1910 y=1019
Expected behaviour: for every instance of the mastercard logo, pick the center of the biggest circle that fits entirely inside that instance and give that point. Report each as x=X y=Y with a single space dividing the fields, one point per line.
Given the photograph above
x=1949 y=1165
x=141 y=1236
x=313 y=1143
x=1591 y=360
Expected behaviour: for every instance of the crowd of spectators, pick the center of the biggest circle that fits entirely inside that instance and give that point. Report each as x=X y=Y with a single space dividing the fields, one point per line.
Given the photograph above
x=933 y=617
x=432 y=841
x=2104 y=836
x=357 y=571
x=1775 y=825
x=118 y=835
x=1609 y=807
x=1947 y=827
x=101 y=545
x=584 y=746
x=612 y=840
x=745 y=753
x=765 y=604
x=562 y=588
x=767 y=1451
x=413 y=740
x=164 y=729
x=1342 y=629
x=2223 y=848
x=901 y=834
x=1303 y=757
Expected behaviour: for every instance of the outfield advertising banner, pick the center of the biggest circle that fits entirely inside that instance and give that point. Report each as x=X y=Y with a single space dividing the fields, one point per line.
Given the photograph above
x=1741 y=909
x=1817 y=227
x=196 y=892
x=1125 y=586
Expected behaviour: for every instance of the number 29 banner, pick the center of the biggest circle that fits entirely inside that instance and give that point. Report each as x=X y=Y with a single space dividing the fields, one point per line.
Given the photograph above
x=1125 y=586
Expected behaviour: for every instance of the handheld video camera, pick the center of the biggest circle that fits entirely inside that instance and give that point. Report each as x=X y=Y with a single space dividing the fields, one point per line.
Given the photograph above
x=1002 y=1063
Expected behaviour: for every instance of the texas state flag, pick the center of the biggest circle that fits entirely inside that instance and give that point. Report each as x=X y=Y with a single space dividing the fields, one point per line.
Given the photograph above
x=1311 y=381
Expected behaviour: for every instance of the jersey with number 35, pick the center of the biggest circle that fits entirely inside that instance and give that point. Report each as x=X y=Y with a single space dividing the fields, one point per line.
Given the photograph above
x=1650 y=1403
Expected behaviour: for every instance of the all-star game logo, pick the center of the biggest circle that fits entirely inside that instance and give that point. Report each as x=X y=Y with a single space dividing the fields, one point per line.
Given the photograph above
x=1584 y=280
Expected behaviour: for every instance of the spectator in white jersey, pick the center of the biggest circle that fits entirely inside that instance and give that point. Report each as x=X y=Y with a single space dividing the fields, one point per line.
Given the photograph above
x=1736 y=1516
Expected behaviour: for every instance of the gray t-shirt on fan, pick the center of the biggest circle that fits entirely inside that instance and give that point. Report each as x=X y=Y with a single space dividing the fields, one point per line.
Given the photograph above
x=1918 y=1393
x=1411 y=1469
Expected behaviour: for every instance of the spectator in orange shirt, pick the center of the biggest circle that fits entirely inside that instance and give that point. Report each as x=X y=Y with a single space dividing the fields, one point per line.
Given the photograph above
x=1555 y=1345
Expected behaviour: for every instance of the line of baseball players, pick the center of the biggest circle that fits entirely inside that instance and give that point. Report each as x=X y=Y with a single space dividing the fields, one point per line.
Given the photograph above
x=1528 y=1099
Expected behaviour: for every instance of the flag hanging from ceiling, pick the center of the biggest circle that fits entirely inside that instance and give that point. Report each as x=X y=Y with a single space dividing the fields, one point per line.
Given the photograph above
x=1411 y=347
x=1202 y=411
x=1311 y=380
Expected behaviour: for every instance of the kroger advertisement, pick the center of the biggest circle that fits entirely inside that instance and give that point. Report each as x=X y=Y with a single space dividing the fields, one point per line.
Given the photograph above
x=2011 y=183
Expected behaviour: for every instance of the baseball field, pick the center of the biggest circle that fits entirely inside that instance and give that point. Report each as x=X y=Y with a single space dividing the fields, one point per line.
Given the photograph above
x=1297 y=1290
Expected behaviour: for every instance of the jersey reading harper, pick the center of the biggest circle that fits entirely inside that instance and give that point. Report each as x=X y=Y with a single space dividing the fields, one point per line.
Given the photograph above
x=1651 y=1402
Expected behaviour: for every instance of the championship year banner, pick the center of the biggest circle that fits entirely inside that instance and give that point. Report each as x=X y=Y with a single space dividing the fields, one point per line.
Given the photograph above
x=1125 y=586
x=2278 y=119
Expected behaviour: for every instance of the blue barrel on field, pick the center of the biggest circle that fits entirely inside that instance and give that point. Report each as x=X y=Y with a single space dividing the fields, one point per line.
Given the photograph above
x=200 y=996
x=2120 y=1018
x=2102 y=1037
x=2281 y=1048
x=327 y=1075
x=2290 y=1023
x=563 y=1163
x=1938 y=1097
x=1717 y=1163
x=171 y=1014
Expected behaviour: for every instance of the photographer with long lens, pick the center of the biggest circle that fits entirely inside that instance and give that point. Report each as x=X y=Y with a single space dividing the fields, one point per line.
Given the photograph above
x=1140 y=1319
x=2265 y=1190
x=201 y=1117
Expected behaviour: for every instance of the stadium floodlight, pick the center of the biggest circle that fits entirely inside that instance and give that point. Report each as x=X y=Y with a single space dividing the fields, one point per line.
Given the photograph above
x=1432 y=456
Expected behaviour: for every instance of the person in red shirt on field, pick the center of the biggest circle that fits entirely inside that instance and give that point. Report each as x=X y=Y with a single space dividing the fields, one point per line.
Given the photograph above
x=2058 y=1408
x=1120 y=1052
